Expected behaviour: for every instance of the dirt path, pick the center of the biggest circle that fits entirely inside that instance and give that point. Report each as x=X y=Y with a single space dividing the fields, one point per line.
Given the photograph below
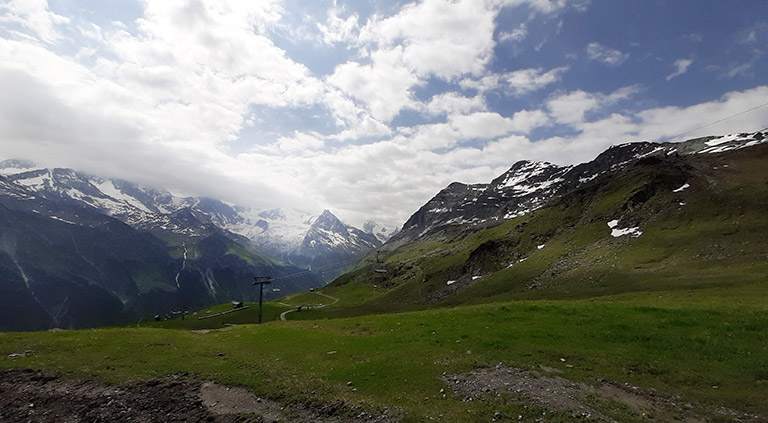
x=37 y=396
x=333 y=299
x=602 y=401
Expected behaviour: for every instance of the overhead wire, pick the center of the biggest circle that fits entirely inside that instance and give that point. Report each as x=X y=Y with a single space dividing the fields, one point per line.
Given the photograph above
x=716 y=122
x=305 y=272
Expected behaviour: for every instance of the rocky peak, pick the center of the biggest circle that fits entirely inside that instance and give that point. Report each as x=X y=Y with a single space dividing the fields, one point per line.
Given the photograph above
x=528 y=185
x=329 y=222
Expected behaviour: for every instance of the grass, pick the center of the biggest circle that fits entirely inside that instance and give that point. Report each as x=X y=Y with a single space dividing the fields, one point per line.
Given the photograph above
x=270 y=312
x=699 y=347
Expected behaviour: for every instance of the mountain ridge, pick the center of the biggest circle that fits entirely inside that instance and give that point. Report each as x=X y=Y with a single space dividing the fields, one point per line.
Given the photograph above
x=658 y=221
x=528 y=185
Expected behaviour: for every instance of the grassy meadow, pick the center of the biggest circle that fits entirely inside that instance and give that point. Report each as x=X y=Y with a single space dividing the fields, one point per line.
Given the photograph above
x=706 y=346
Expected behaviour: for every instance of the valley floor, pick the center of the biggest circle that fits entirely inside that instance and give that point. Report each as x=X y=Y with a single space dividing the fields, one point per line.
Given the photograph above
x=689 y=355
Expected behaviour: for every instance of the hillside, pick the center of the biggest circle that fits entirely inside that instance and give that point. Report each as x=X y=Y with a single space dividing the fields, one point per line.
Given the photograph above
x=664 y=221
x=79 y=250
x=67 y=265
x=695 y=355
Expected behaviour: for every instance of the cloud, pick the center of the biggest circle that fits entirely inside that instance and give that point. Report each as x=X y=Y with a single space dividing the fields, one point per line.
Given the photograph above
x=338 y=29
x=454 y=103
x=483 y=84
x=742 y=69
x=300 y=143
x=681 y=67
x=438 y=37
x=384 y=86
x=528 y=80
x=516 y=35
x=753 y=34
x=543 y=6
x=481 y=125
x=596 y=51
x=694 y=37
x=721 y=116
x=571 y=109
x=34 y=15
x=157 y=105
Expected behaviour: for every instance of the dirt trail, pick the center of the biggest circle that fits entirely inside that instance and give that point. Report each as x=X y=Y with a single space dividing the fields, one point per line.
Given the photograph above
x=37 y=396
x=333 y=299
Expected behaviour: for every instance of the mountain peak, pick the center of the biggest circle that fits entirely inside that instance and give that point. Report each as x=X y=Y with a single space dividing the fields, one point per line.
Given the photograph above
x=16 y=166
x=328 y=215
x=329 y=222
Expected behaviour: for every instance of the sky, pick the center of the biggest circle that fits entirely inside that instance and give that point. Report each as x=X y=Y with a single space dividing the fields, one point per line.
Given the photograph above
x=366 y=108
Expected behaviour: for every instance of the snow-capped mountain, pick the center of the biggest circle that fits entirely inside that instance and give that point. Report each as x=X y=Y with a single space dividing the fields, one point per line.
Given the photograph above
x=277 y=231
x=383 y=233
x=65 y=263
x=286 y=234
x=529 y=185
x=328 y=237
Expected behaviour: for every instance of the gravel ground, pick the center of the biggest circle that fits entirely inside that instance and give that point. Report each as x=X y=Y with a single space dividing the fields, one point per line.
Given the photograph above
x=601 y=401
x=38 y=396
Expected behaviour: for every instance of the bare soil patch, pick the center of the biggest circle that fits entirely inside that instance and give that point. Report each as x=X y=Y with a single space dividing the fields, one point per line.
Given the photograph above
x=38 y=396
x=603 y=401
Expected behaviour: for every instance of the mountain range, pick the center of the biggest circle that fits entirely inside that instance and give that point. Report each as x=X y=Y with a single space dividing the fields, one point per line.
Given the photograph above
x=529 y=185
x=640 y=216
x=81 y=250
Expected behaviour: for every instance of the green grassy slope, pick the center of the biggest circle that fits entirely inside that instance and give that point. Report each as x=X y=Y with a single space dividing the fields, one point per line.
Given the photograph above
x=709 y=354
x=713 y=233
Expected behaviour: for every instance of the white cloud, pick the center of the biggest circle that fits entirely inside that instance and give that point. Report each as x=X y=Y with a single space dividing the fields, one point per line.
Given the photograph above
x=158 y=104
x=300 y=143
x=365 y=127
x=571 y=108
x=454 y=103
x=34 y=15
x=438 y=136
x=541 y=6
x=486 y=83
x=516 y=35
x=438 y=37
x=384 y=86
x=528 y=80
x=338 y=29
x=596 y=51
x=742 y=69
x=658 y=124
x=664 y=122
x=525 y=121
x=681 y=67
x=489 y=125
x=481 y=125
x=518 y=82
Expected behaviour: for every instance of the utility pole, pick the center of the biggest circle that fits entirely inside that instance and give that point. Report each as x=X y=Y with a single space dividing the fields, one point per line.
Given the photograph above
x=261 y=281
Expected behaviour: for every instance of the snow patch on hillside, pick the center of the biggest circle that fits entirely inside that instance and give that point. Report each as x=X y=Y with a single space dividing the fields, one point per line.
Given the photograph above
x=109 y=189
x=617 y=232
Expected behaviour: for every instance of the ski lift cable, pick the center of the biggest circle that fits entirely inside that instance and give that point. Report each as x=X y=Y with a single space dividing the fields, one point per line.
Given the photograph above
x=717 y=121
x=304 y=272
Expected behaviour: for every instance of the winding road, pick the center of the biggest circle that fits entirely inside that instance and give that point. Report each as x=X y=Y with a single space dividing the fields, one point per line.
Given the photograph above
x=333 y=299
